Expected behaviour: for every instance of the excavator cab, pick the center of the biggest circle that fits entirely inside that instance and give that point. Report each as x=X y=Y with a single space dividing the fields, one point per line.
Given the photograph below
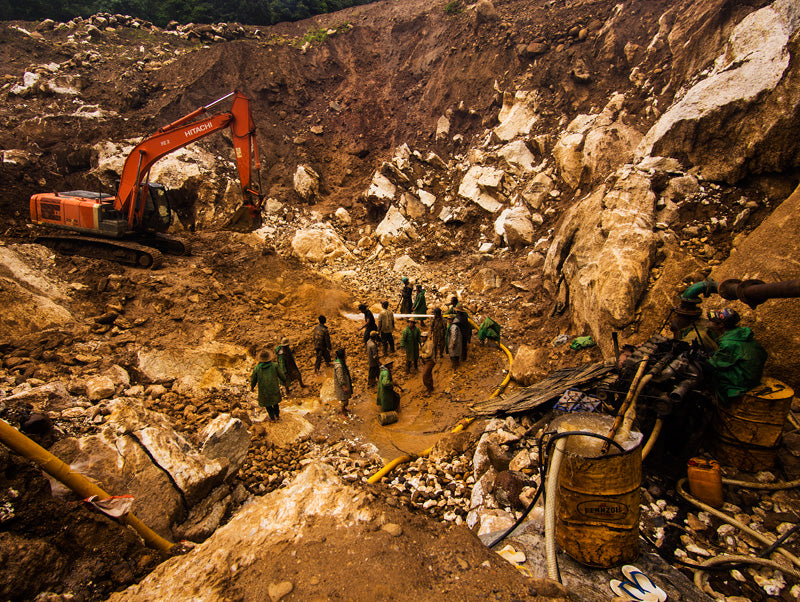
x=157 y=211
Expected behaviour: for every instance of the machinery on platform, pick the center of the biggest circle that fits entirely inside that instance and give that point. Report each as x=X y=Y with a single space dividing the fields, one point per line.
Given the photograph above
x=129 y=227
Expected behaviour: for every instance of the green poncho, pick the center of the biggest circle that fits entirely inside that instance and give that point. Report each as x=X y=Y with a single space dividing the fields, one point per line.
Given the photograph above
x=489 y=330
x=387 y=398
x=268 y=376
x=738 y=362
x=410 y=342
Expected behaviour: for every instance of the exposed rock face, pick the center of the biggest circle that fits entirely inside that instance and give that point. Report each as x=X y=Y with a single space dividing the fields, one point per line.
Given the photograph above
x=770 y=254
x=593 y=146
x=604 y=248
x=737 y=119
x=31 y=301
x=190 y=366
x=252 y=535
x=139 y=453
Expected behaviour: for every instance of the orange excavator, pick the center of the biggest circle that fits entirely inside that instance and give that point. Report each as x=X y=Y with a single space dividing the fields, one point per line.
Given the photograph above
x=129 y=227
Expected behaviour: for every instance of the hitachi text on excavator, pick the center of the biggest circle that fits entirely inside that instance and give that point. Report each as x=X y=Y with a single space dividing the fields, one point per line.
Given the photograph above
x=129 y=226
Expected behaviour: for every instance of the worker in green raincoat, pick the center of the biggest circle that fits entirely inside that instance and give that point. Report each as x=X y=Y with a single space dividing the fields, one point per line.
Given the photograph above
x=268 y=376
x=388 y=399
x=738 y=362
x=410 y=341
x=286 y=361
x=489 y=330
x=420 y=306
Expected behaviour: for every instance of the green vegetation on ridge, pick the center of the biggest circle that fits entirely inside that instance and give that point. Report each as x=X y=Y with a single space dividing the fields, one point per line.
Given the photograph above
x=161 y=12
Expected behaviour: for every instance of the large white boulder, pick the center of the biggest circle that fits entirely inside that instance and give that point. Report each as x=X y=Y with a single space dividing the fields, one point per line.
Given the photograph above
x=139 y=453
x=593 y=146
x=381 y=188
x=480 y=185
x=515 y=226
x=395 y=229
x=733 y=121
x=517 y=115
x=518 y=156
x=318 y=245
x=604 y=249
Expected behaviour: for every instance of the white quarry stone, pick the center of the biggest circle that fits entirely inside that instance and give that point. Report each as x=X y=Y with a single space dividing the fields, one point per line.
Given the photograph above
x=475 y=183
x=306 y=182
x=395 y=229
x=343 y=216
x=517 y=116
x=99 y=387
x=518 y=156
x=442 y=127
x=426 y=198
x=381 y=188
x=318 y=245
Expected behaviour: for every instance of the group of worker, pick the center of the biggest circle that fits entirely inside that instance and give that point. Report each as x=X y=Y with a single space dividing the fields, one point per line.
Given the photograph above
x=450 y=333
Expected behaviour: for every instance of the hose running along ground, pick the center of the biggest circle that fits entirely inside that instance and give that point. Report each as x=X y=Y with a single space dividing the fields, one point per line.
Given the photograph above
x=390 y=466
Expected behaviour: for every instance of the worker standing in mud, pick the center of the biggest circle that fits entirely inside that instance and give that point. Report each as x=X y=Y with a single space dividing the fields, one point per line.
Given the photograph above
x=420 y=306
x=268 y=376
x=462 y=319
x=410 y=342
x=405 y=296
x=454 y=344
x=322 y=343
x=369 y=322
x=387 y=397
x=738 y=362
x=372 y=359
x=426 y=355
x=386 y=327
x=288 y=364
x=438 y=333
x=342 y=383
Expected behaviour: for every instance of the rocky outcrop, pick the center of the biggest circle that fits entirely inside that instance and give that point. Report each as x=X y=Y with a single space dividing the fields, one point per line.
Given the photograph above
x=593 y=146
x=604 y=248
x=31 y=300
x=139 y=453
x=737 y=119
x=252 y=535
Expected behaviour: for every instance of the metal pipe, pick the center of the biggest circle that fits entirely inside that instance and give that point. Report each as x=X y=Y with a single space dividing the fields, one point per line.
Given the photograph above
x=755 y=292
x=22 y=445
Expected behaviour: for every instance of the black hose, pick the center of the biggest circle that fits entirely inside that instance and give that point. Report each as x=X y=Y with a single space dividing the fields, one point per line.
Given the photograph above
x=542 y=472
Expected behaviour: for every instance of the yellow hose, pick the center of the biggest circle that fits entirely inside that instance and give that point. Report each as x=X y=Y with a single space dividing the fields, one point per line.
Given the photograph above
x=23 y=446
x=403 y=459
x=389 y=467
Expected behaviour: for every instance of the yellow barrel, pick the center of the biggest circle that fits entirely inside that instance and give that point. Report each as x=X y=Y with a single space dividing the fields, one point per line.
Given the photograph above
x=748 y=429
x=597 y=521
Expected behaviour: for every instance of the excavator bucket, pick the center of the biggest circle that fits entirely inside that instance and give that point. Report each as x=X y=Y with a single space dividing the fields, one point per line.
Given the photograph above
x=245 y=219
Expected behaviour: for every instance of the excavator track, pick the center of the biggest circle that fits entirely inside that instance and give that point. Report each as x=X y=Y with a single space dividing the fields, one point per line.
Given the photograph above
x=127 y=253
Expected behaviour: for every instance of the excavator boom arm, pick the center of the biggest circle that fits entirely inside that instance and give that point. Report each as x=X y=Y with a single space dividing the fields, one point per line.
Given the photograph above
x=182 y=132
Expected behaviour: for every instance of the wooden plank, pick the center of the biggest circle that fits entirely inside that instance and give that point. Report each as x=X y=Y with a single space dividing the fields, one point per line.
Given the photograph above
x=548 y=389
